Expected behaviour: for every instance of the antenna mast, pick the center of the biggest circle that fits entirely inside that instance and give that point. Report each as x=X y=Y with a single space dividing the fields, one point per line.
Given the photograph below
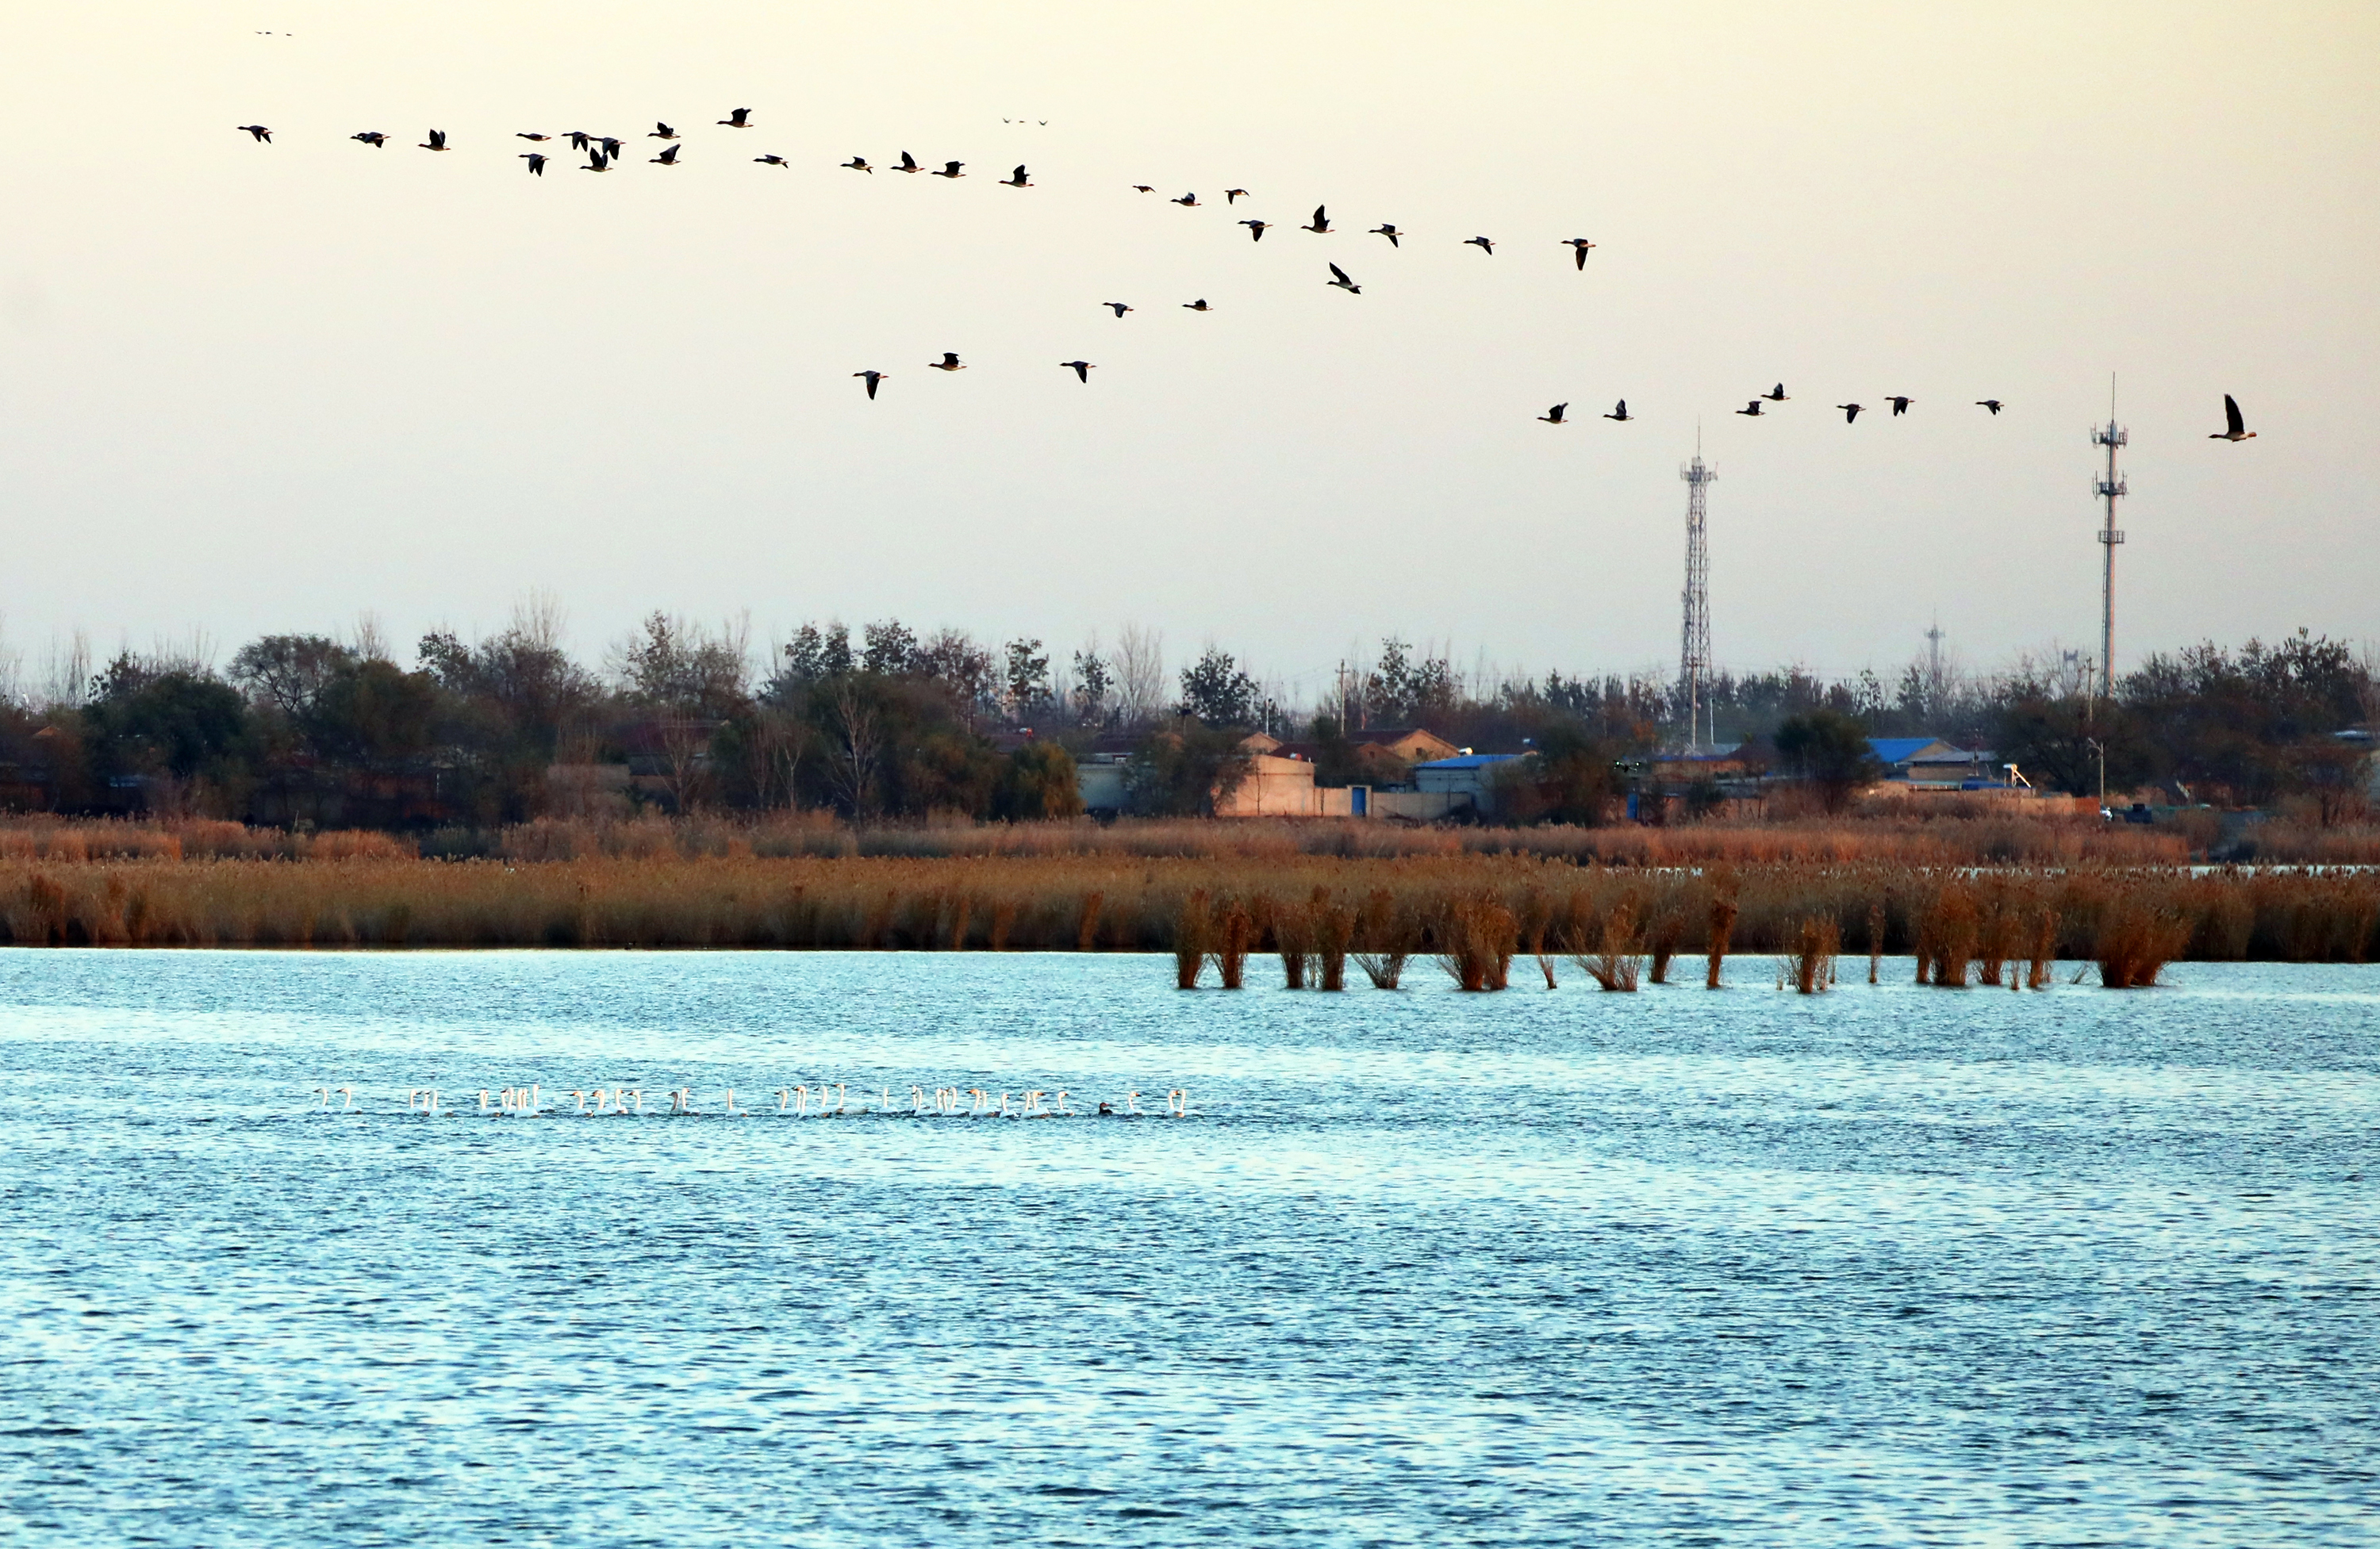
x=1694 y=646
x=2111 y=488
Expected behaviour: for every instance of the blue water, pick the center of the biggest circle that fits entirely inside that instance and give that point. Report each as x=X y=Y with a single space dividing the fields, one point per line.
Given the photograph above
x=1888 y=1266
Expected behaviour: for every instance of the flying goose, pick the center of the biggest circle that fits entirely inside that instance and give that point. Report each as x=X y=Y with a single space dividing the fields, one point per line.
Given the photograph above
x=950 y=169
x=908 y=164
x=1389 y=230
x=597 y=162
x=1580 y=247
x=1119 y=306
x=1776 y=395
x=2234 y=427
x=1851 y=412
x=1992 y=404
x=1257 y=229
x=872 y=378
x=1900 y=406
x=437 y=141
x=668 y=157
x=1339 y=278
x=538 y=139
x=738 y=118
x=1621 y=413
x=1016 y=179
x=372 y=137
x=663 y=131
x=1142 y=188
x=1188 y=201
x=1752 y=409
x=1233 y=196
x=774 y=161
x=1554 y=415
x=1082 y=368
x=536 y=159
x=858 y=163
x=577 y=137
x=1321 y=226
x=1482 y=244
x=1198 y=306
x=949 y=362
x=257 y=132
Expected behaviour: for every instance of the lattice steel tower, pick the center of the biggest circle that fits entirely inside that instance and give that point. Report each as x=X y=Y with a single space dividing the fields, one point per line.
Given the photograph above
x=2111 y=488
x=1694 y=643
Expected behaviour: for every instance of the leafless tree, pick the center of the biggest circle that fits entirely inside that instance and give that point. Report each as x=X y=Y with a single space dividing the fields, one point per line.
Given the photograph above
x=852 y=770
x=1140 y=673
x=67 y=675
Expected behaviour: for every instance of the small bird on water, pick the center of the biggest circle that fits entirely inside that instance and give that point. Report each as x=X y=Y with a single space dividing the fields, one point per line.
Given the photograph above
x=2234 y=427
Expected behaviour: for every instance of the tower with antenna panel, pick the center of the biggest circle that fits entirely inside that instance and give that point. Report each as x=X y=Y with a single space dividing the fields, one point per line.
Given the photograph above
x=2110 y=489
x=1695 y=644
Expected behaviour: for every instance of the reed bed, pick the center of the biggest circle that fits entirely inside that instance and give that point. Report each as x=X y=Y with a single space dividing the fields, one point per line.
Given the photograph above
x=1473 y=913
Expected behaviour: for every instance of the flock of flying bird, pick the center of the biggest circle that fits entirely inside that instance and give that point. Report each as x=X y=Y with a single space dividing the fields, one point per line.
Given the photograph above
x=603 y=152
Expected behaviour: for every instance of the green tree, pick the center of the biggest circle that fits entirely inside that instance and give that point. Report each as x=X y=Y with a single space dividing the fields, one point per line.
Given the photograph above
x=1829 y=748
x=1182 y=770
x=1216 y=692
x=181 y=723
x=1038 y=783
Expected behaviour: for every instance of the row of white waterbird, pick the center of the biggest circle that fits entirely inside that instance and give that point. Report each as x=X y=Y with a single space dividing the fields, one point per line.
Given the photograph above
x=828 y=1099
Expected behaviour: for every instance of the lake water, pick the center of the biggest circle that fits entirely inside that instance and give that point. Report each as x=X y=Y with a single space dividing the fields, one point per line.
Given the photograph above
x=1887 y=1265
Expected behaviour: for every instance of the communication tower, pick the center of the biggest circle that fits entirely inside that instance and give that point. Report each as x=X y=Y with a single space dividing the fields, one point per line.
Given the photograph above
x=2110 y=488
x=1694 y=645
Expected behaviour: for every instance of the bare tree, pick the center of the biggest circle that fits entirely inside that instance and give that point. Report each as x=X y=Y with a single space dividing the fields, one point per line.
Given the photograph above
x=67 y=675
x=12 y=668
x=852 y=768
x=368 y=639
x=1140 y=673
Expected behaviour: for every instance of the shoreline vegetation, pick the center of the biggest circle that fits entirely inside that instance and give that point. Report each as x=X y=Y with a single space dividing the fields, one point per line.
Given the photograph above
x=1977 y=904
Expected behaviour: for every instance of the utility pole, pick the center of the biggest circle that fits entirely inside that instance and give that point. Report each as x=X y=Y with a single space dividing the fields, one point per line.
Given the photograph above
x=2110 y=488
x=1695 y=645
x=1934 y=669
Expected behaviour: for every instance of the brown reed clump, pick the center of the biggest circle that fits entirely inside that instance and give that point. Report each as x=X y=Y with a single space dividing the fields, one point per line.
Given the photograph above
x=1809 y=963
x=1665 y=931
x=1617 y=958
x=1722 y=929
x=1194 y=929
x=1289 y=928
x=1475 y=937
x=2135 y=939
x=1875 y=942
x=1946 y=937
x=1234 y=934
x=2042 y=965
x=1333 y=926
x=1389 y=936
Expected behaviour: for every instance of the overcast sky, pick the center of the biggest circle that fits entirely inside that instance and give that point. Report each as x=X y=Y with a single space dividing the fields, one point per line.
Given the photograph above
x=267 y=387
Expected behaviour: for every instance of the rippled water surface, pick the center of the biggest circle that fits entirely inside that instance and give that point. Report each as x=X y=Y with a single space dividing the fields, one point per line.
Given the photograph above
x=1888 y=1265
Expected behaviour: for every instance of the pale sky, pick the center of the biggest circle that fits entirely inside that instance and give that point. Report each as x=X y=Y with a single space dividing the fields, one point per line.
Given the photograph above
x=266 y=387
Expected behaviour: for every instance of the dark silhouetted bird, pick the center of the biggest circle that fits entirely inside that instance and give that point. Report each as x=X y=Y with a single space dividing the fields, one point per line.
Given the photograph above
x=540 y=139
x=257 y=132
x=774 y=161
x=1776 y=395
x=859 y=163
x=1580 y=247
x=1321 y=226
x=1142 y=188
x=1187 y=201
x=1339 y=278
x=1082 y=368
x=1198 y=305
x=1118 y=306
x=2234 y=427
x=950 y=169
x=908 y=164
x=1992 y=404
x=437 y=141
x=1621 y=413
x=372 y=137
x=1016 y=179
x=1752 y=409
x=949 y=362
x=577 y=137
x=668 y=157
x=738 y=118
x=597 y=162
x=1900 y=406
x=663 y=131
x=1389 y=230
x=610 y=148
x=1852 y=411
x=1481 y=243
x=1257 y=229
x=871 y=378
x=1554 y=415
x=1233 y=196
x=536 y=159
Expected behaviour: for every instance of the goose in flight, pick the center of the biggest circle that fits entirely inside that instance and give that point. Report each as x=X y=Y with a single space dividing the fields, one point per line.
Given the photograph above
x=1339 y=278
x=538 y=138
x=1118 y=306
x=1082 y=368
x=1554 y=415
x=949 y=362
x=437 y=141
x=577 y=137
x=1016 y=179
x=536 y=159
x=738 y=118
x=1900 y=406
x=597 y=162
x=908 y=164
x=859 y=163
x=1198 y=305
x=1233 y=196
x=1992 y=404
x=1321 y=226
x=663 y=131
x=871 y=378
x=2234 y=427
x=1580 y=247
x=774 y=161
x=1752 y=409
x=1621 y=413
x=372 y=137
x=950 y=169
x=668 y=157
x=1851 y=412
x=257 y=132
x=1482 y=244
x=1142 y=188
x=1389 y=230
x=1776 y=395
x=610 y=148
x=1188 y=201
x=1257 y=229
